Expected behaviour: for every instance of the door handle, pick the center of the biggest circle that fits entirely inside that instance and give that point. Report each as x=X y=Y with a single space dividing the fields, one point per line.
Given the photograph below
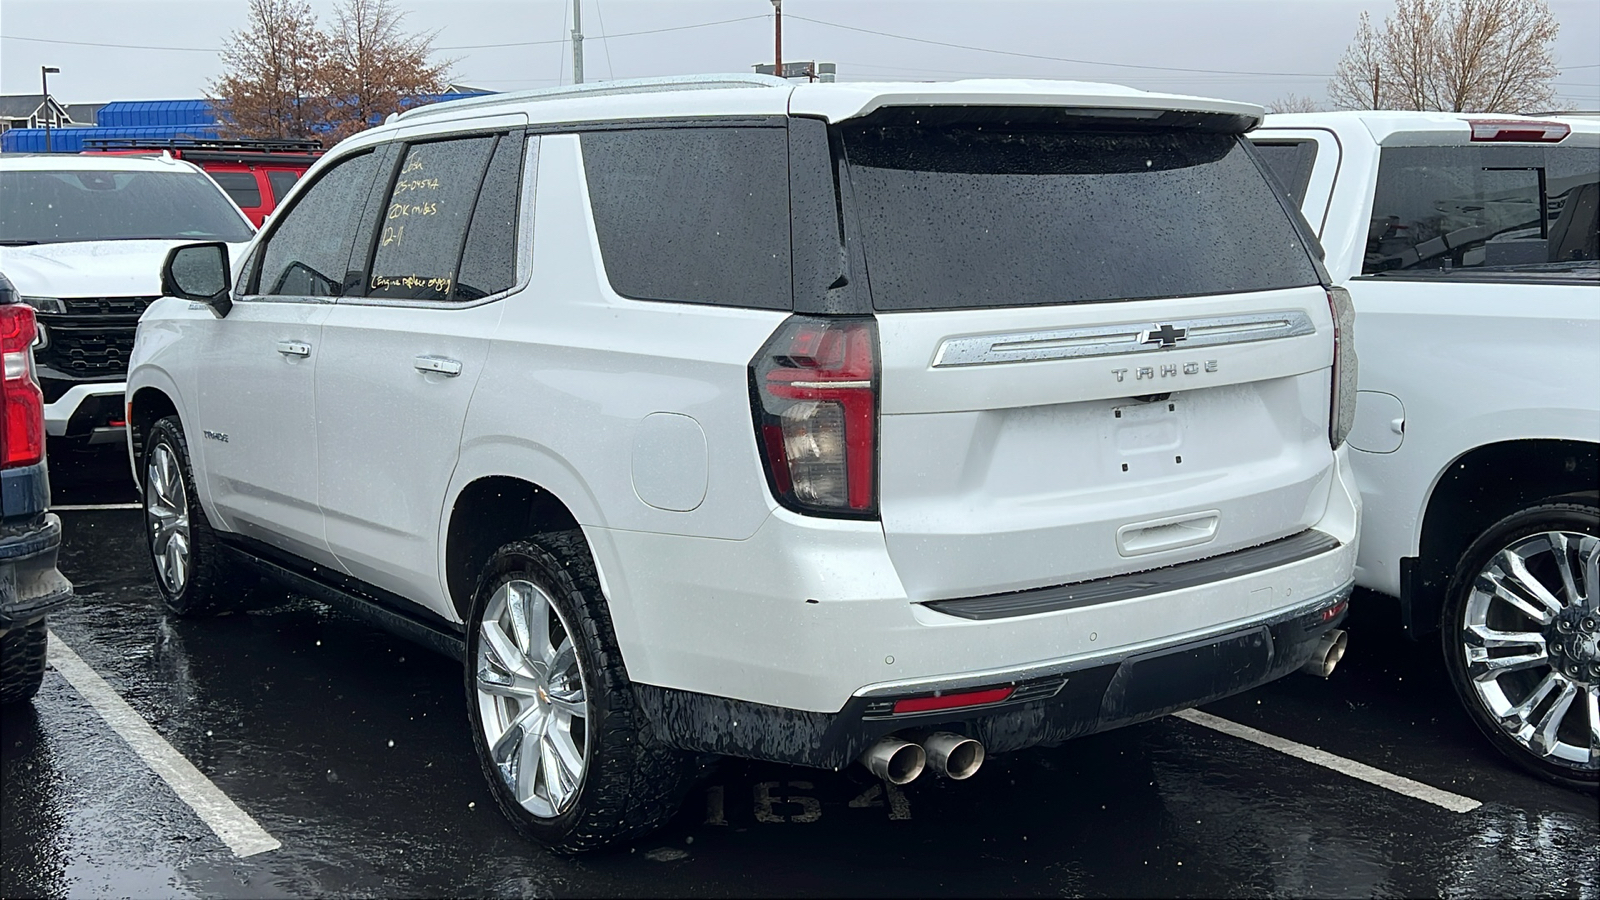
x=294 y=348
x=438 y=365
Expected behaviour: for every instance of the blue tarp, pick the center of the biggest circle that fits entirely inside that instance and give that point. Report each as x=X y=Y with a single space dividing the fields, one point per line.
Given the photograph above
x=125 y=113
x=70 y=140
x=153 y=120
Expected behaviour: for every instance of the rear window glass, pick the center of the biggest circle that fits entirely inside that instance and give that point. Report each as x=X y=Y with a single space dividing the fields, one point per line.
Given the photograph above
x=1291 y=161
x=972 y=217
x=241 y=186
x=50 y=207
x=1441 y=208
x=696 y=215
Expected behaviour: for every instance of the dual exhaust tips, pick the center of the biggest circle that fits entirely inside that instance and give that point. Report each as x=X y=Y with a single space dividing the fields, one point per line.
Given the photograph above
x=899 y=761
x=1330 y=649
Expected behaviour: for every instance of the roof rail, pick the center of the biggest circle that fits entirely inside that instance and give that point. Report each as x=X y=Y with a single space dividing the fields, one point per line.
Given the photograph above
x=280 y=145
x=602 y=89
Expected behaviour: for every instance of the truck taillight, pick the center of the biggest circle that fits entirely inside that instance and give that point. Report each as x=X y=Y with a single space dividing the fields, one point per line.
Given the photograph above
x=814 y=392
x=22 y=418
x=1342 y=414
x=1520 y=131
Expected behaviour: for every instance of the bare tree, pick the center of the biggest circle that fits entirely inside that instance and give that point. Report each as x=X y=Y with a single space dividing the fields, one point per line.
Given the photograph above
x=373 y=64
x=1453 y=55
x=1293 y=103
x=272 y=86
x=1358 y=81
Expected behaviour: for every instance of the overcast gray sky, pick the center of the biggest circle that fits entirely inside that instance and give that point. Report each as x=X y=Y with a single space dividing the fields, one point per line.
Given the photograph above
x=1257 y=50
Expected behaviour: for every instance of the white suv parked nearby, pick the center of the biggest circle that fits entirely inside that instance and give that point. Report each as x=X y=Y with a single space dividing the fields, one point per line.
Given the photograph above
x=802 y=423
x=83 y=239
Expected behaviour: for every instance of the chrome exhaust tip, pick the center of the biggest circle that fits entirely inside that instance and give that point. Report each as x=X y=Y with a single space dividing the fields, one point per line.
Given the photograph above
x=894 y=760
x=1327 y=655
x=952 y=755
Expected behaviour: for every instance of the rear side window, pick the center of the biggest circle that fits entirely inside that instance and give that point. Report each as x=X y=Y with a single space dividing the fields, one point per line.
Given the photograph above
x=489 y=262
x=694 y=215
x=425 y=219
x=282 y=181
x=1291 y=162
x=1442 y=208
x=308 y=252
x=994 y=216
x=241 y=186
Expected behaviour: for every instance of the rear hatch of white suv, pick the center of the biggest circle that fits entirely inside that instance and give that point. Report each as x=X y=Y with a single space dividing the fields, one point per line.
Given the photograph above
x=1105 y=344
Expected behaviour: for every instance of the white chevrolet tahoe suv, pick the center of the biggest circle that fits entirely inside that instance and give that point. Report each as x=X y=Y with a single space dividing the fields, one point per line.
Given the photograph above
x=1469 y=245
x=83 y=239
x=802 y=423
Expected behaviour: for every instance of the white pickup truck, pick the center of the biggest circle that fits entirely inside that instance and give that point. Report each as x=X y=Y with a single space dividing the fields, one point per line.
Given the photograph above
x=1468 y=244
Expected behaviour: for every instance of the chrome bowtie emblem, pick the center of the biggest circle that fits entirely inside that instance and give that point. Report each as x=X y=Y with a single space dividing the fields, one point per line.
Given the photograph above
x=1164 y=336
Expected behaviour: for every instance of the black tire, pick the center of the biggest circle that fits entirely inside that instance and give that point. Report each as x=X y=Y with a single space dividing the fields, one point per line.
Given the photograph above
x=1516 y=687
x=630 y=784
x=212 y=584
x=22 y=662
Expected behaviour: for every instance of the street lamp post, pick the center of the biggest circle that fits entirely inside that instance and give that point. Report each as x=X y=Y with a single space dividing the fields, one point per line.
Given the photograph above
x=44 y=82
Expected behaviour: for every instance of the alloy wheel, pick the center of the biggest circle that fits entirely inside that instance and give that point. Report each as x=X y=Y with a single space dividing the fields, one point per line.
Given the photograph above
x=532 y=698
x=1531 y=643
x=166 y=507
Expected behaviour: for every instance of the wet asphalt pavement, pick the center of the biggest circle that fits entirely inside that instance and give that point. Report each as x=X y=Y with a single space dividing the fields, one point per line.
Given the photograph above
x=350 y=748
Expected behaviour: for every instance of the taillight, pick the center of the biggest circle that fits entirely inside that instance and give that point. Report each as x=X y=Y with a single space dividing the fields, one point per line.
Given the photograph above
x=814 y=391
x=1518 y=131
x=22 y=433
x=1342 y=414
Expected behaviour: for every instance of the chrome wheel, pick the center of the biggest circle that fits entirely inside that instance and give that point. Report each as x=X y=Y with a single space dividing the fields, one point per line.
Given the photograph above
x=1530 y=639
x=166 y=508
x=532 y=698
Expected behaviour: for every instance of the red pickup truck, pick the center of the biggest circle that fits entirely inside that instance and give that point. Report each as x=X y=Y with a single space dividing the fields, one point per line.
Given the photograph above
x=257 y=174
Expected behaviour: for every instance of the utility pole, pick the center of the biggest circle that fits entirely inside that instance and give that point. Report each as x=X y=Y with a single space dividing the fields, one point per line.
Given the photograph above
x=577 y=42
x=44 y=83
x=777 y=37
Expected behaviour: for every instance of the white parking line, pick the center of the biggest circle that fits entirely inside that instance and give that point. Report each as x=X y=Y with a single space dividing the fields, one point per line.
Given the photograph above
x=78 y=507
x=1388 y=780
x=230 y=823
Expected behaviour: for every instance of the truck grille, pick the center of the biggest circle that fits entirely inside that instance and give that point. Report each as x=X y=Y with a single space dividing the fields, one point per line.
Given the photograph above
x=93 y=338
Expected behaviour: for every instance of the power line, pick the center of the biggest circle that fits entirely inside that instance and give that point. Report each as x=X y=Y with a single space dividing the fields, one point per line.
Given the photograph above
x=14 y=37
x=604 y=36
x=1086 y=62
x=604 y=41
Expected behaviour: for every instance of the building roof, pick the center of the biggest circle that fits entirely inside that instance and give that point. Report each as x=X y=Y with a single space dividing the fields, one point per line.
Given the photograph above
x=20 y=106
x=83 y=113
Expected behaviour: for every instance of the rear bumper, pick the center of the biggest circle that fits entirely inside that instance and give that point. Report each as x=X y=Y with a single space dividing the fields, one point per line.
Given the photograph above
x=1052 y=702
x=809 y=613
x=31 y=586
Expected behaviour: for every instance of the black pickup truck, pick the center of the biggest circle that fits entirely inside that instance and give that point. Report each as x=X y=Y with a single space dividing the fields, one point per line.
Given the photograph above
x=30 y=584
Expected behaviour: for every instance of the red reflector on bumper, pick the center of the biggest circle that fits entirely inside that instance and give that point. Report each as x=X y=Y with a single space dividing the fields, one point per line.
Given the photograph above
x=1332 y=612
x=953 y=701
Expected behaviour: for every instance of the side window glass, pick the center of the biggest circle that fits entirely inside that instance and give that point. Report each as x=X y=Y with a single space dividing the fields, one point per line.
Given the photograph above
x=694 y=215
x=1291 y=162
x=309 y=250
x=241 y=186
x=281 y=180
x=489 y=262
x=425 y=219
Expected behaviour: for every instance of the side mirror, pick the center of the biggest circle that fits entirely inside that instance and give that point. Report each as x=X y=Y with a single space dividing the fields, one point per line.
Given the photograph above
x=199 y=272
